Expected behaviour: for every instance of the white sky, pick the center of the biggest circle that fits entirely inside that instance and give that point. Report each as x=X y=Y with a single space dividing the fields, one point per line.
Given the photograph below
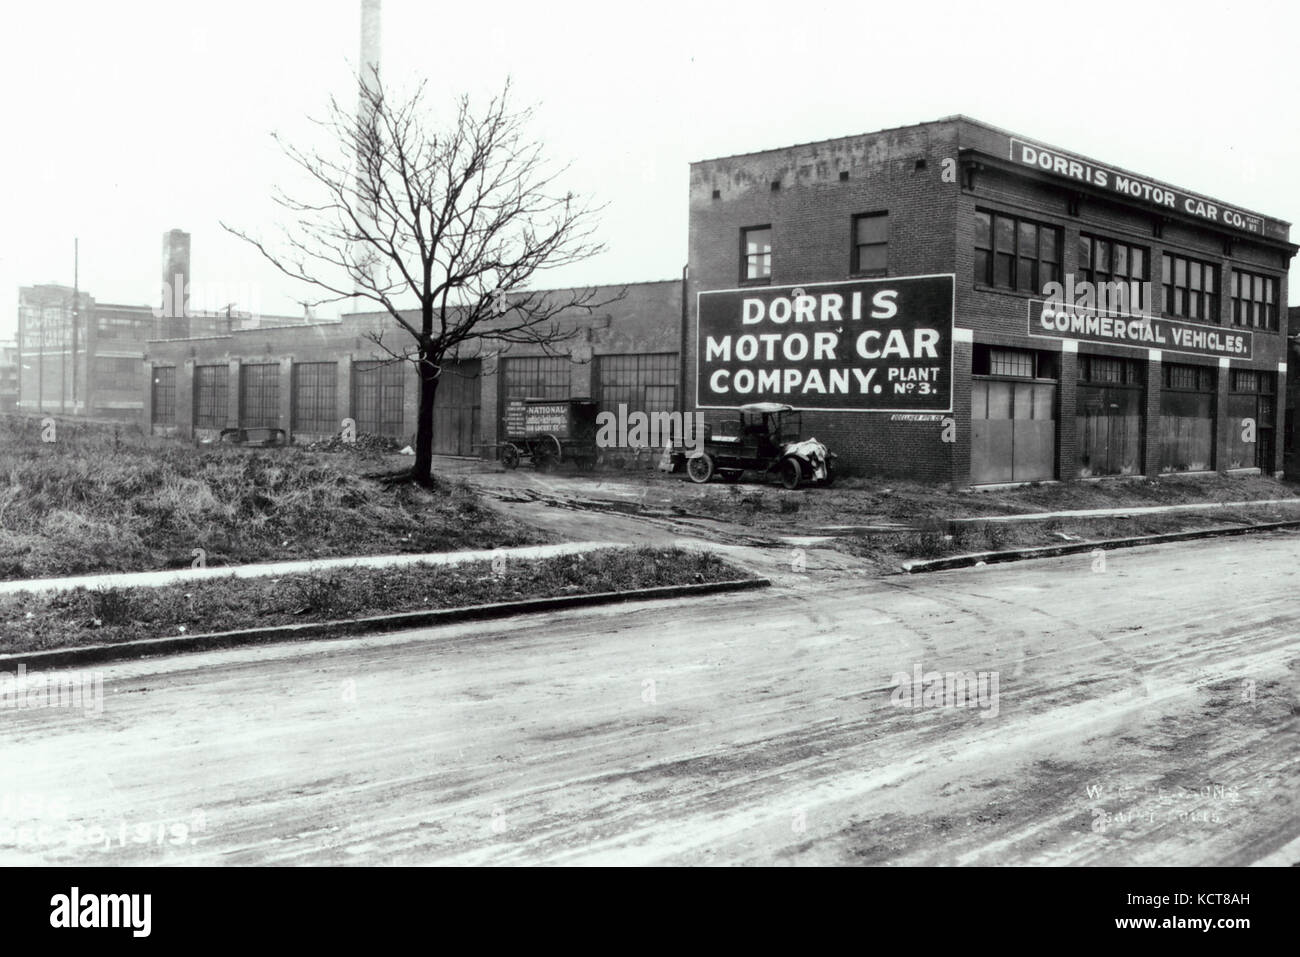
x=125 y=119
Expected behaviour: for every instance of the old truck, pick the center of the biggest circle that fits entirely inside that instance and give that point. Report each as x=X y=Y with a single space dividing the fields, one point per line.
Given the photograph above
x=763 y=437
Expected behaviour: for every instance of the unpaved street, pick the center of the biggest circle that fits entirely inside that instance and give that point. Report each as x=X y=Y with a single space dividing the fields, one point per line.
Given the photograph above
x=1147 y=714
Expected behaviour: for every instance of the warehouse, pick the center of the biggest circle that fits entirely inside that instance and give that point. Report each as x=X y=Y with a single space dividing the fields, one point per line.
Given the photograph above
x=306 y=378
x=980 y=371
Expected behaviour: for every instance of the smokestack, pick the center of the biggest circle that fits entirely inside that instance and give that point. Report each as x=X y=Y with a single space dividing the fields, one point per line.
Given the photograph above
x=176 y=284
x=370 y=39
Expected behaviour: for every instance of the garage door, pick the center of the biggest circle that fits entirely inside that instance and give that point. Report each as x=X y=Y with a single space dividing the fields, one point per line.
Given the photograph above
x=1013 y=431
x=378 y=391
x=456 y=409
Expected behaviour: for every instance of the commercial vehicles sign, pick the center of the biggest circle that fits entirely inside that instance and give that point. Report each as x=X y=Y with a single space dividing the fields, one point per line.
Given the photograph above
x=868 y=345
x=1059 y=320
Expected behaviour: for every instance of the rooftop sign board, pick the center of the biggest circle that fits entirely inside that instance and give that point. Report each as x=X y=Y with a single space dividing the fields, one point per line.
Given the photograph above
x=1133 y=187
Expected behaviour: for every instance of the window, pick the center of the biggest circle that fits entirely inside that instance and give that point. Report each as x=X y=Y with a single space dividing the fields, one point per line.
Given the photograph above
x=211 y=396
x=1189 y=378
x=1107 y=371
x=1110 y=261
x=1254 y=300
x=1014 y=253
x=1191 y=288
x=871 y=244
x=643 y=383
x=1019 y=363
x=164 y=395
x=259 y=395
x=540 y=377
x=378 y=395
x=756 y=254
x=315 y=397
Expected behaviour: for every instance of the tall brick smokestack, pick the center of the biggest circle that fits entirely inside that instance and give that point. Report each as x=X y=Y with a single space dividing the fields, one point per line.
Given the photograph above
x=370 y=39
x=367 y=71
x=175 y=284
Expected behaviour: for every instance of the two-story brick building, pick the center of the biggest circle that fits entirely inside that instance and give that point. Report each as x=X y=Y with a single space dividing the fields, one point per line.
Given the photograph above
x=1183 y=375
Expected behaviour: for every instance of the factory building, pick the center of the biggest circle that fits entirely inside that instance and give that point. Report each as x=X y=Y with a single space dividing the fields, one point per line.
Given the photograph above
x=306 y=379
x=932 y=297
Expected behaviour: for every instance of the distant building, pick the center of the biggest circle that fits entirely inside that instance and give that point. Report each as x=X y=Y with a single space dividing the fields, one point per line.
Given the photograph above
x=8 y=375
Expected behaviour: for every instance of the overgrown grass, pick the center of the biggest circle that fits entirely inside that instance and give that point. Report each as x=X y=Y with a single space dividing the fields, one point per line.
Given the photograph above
x=107 y=499
x=34 y=622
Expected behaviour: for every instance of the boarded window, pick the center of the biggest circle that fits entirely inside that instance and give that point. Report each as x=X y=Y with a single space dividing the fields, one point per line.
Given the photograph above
x=259 y=395
x=211 y=396
x=315 y=397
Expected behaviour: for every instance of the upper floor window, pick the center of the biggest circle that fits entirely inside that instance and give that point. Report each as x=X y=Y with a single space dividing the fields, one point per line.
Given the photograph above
x=1110 y=261
x=871 y=244
x=1191 y=288
x=1015 y=253
x=756 y=253
x=1254 y=299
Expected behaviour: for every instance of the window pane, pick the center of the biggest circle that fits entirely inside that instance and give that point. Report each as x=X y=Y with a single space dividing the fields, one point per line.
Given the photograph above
x=1048 y=244
x=1121 y=260
x=1180 y=272
x=1028 y=239
x=874 y=258
x=1194 y=275
x=1085 y=254
x=1006 y=234
x=981 y=266
x=1137 y=264
x=873 y=229
x=1102 y=262
x=1025 y=275
x=1002 y=270
x=1210 y=273
x=1166 y=267
x=983 y=230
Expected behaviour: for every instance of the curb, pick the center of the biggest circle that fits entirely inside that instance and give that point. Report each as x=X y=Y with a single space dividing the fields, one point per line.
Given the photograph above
x=1052 y=551
x=151 y=647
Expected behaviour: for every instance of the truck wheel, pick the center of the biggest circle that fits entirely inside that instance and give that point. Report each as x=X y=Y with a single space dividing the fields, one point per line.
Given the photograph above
x=510 y=457
x=791 y=472
x=700 y=468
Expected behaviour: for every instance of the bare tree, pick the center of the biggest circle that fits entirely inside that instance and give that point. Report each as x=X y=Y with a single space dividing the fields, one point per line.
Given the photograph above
x=462 y=219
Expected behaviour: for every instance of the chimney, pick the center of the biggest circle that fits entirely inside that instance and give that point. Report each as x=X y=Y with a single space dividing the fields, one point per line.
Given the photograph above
x=176 y=284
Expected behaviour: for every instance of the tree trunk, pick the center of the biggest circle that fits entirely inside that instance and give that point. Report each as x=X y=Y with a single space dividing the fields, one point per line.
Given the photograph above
x=422 y=470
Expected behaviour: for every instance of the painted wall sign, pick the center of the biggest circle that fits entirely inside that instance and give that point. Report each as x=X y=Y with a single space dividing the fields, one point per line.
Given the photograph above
x=1058 y=320
x=870 y=345
x=1132 y=187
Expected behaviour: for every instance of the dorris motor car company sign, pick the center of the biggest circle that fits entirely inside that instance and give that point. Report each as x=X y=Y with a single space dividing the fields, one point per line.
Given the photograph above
x=871 y=345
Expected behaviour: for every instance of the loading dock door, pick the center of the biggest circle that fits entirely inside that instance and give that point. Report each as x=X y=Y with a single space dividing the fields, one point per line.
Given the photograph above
x=1013 y=431
x=456 y=409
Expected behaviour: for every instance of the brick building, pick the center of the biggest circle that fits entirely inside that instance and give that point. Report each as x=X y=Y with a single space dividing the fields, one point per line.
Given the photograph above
x=307 y=378
x=8 y=375
x=1183 y=375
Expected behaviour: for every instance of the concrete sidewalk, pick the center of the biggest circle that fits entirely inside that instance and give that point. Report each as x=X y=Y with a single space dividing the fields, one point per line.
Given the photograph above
x=1132 y=510
x=174 y=576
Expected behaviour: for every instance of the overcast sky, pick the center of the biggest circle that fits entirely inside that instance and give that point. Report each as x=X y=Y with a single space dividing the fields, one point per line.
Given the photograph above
x=125 y=119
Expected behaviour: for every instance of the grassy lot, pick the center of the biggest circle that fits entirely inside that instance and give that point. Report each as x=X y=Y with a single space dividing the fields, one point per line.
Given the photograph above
x=104 y=498
x=35 y=622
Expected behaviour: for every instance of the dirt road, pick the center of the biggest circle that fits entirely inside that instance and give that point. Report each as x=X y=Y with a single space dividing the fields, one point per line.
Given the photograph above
x=1144 y=713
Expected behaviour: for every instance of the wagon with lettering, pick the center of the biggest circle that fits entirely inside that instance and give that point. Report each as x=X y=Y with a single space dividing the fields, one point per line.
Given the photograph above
x=763 y=437
x=550 y=431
